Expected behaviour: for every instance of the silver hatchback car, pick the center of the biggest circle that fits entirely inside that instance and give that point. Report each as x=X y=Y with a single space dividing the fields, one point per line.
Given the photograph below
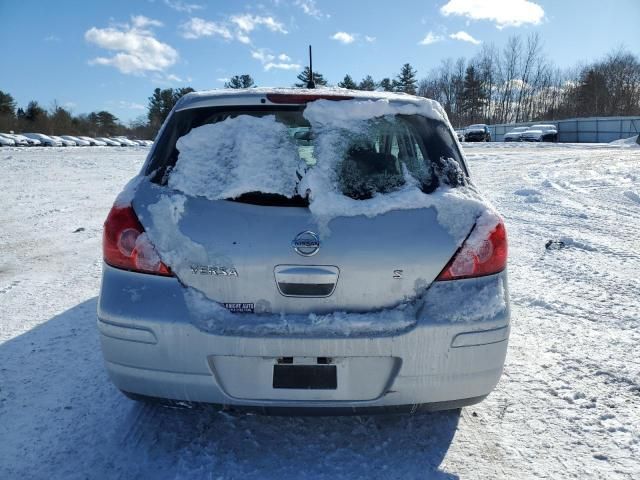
x=305 y=251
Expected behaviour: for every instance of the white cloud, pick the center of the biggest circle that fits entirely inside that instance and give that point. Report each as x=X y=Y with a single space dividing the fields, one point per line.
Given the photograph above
x=136 y=48
x=242 y=38
x=464 y=37
x=140 y=22
x=268 y=60
x=246 y=23
x=222 y=79
x=369 y=39
x=236 y=27
x=309 y=8
x=281 y=66
x=197 y=27
x=504 y=13
x=181 y=6
x=430 y=39
x=343 y=37
x=262 y=56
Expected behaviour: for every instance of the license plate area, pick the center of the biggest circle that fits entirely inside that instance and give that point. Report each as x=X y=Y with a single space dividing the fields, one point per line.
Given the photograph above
x=305 y=377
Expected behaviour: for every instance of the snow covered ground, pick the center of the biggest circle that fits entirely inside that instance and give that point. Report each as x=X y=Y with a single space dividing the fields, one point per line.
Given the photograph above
x=568 y=405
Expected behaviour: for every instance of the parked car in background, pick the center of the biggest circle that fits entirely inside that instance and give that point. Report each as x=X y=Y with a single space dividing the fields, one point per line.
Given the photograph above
x=32 y=142
x=515 y=134
x=109 y=142
x=18 y=142
x=231 y=321
x=46 y=140
x=78 y=141
x=477 y=133
x=65 y=143
x=94 y=142
x=540 y=133
x=6 y=141
x=125 y=142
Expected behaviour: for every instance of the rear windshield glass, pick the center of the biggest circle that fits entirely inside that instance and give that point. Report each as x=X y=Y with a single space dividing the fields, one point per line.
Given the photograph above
x=376 y=156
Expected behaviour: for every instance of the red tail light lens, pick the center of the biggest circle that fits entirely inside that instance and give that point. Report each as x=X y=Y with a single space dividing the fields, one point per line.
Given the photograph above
x=126 y=245
x=483 y=253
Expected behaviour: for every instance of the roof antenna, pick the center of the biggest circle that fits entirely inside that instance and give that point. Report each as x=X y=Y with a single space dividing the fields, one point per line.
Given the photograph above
x=311 y=83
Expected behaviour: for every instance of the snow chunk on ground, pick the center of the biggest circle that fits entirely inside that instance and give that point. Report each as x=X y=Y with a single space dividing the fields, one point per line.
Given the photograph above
x=633 y=196
x=627 y=142
x=526 y=192
x=238 y=155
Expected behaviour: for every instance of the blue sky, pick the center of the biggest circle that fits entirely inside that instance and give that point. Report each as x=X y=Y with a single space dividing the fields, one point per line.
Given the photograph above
x=112 y=54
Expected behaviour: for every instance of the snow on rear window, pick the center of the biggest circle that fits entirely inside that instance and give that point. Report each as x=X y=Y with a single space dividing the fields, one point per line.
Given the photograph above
x=238 y=155
x=403 y=170
x=351 y=157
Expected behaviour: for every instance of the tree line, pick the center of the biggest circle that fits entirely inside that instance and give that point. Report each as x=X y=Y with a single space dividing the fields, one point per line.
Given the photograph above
x=58 y=120
x=515 y=83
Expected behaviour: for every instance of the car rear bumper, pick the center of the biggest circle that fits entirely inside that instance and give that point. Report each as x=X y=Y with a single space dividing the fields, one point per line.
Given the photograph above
x=152 y=349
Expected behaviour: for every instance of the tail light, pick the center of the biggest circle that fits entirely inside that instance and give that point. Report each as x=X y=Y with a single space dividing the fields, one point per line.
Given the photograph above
x=483 y=253
x=126 y=245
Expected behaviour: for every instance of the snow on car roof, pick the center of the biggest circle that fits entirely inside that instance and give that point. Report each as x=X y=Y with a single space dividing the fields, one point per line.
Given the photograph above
x=260 y=95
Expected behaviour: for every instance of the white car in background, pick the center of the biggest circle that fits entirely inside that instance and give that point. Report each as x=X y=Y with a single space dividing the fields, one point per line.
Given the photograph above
x=110 y=142
x=65 y=143
x=46 y=140
x=6 y=141
x=540 y=133
x=32 y=142
x=94 y=142
x=515 y=135
x=18 y=142
x=78 y=141
x=125 y=142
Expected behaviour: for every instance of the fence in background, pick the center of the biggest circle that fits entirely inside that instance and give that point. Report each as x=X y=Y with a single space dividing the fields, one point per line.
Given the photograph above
x=580 y=130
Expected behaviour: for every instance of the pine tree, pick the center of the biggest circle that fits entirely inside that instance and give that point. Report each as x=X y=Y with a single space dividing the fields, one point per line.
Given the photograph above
x=7 y=104
x=240 y=81
x=304 y=77
x=161 y=103
x=35 y=112
x=367 y=84
x=406 y=81
x=473 y=95
x=347 y=82
x=387 y=85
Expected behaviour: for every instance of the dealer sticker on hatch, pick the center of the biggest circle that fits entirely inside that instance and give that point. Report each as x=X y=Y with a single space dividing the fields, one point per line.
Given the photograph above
x=240 y=307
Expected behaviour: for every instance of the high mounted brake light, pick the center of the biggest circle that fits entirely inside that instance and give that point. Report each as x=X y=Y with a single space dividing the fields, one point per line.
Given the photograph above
x=298 y=98
x=483 y=253
x=126 y=245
